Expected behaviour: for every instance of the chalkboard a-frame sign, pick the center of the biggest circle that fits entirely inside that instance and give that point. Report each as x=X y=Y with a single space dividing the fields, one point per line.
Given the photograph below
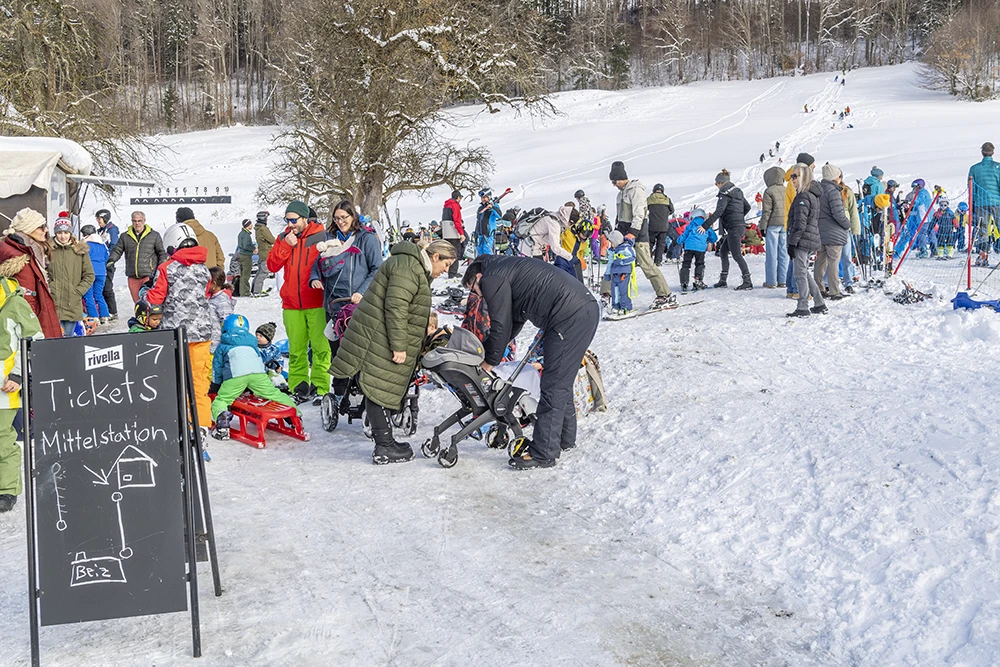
x=110 y=511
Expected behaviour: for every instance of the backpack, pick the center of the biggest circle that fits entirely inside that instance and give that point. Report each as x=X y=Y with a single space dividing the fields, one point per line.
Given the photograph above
x=527 y=221
x=866 y=189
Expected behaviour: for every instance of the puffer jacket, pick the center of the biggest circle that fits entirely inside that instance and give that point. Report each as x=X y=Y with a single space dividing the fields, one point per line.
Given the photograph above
x=298 y=261
x=519 y=289
x=773 y=203
x=834 y=225
x=143 y=252
x=694 y=239
x=181 y=288
x=731 y=210
x=17 y=321
x=392 y=317
x=237 y=354
x=346 y=267
x=660 y=210
x=546 y=234
x=222 y=306
x=17 y=262
x=209 y=241
x=803 y=220
x=71 y=275
x=265 y=241
x=98 y=254
x=631 y=211
x=875 y=184
x=986 y=181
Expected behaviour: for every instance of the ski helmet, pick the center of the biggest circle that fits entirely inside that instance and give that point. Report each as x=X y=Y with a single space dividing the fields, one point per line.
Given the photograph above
x=486 y=192
x=891 y=184
x=963 y=206
x=104 y=214
x=698 y=213
x=578 y=194
x=585 y=227
x=87 y=230
x=235 y=322
x=917 y=183
x=143 y=310
x=262 y=216
x=179 y=236
x=943 y=202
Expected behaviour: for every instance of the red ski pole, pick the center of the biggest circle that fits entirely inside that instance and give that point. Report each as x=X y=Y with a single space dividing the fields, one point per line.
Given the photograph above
x=916 y=233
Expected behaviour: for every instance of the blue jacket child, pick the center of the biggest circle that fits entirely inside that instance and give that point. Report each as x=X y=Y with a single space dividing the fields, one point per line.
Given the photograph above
x=621 y=272
x=691 y=239
x=236 y=367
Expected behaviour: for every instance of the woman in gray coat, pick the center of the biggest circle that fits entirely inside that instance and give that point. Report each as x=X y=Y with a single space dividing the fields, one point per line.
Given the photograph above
x=834 y=231
x=804 y=238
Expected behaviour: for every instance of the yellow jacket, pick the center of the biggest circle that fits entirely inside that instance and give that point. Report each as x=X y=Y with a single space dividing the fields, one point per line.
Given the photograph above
x=569 y=240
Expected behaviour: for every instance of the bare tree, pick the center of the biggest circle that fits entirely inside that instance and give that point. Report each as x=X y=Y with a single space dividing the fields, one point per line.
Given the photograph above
x=963 y=58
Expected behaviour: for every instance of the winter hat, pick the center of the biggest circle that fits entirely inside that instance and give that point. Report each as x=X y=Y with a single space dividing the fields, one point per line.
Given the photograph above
x=698 y=213
x=988 y=148
x=184 y=214
x=877 y=173
x=267 y=330
x=616 y=238
x=262 y=216
x=63 y=225
x=298 y=208
x=722 y=177
x=806 y=159
x=618 y=172
x=313 y=215
x=247 y=223
x=882 y=200
x=830 y=172
x=27 y=220
x=658 y=188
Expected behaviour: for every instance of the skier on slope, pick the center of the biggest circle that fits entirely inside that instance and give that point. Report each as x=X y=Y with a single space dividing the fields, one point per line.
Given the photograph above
x=486 y=222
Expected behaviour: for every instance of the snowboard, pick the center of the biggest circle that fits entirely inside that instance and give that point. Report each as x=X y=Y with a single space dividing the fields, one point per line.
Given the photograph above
x=640 y=313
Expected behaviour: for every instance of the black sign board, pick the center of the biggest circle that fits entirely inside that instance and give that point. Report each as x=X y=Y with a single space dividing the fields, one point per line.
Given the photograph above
x=110 y=517
x=176 y=201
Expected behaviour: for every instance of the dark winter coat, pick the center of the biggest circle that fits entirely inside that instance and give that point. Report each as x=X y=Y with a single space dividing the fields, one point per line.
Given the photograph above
x=631 y=211
x=347 y=268
x=660 y=210
x=834 y=225
x=731 y=210
x=803 y=220
x=17 y=262
x=244 y=243
x=265 y=241
x=143 y=252
x=773 y=201
x=392 y=317
x=71 y=275
x=181 y=288
x=517 y=290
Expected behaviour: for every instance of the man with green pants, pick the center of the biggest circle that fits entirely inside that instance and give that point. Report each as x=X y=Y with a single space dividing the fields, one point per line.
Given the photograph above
x=295 y=252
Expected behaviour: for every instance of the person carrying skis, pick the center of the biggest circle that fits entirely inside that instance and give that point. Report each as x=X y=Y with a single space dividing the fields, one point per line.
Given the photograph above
x=486 y=222
x=731 y=213
x=632 y=222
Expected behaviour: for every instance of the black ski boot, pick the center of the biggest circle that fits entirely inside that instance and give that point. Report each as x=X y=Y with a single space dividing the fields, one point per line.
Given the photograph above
x=722 y=281
x=747 y=284
x=699 y=285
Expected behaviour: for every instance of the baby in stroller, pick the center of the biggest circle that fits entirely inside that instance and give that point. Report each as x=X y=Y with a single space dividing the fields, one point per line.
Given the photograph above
x=486 y=396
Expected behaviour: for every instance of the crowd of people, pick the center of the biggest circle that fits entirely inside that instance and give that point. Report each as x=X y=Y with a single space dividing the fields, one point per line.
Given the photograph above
x=351 y=310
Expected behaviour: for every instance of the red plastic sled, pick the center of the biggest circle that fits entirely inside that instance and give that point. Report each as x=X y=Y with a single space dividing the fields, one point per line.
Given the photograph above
x=261 y=414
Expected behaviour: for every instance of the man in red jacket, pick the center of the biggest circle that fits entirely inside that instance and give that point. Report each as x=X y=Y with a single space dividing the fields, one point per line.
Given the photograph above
x=452 y=230
x=302 y=306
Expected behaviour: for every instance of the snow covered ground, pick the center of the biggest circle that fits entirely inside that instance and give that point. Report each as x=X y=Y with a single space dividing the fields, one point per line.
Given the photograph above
x=760 y=492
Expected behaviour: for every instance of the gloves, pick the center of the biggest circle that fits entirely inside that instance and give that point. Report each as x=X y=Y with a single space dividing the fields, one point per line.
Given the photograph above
x=110 y=266
x=213 y=388
x=791 y=252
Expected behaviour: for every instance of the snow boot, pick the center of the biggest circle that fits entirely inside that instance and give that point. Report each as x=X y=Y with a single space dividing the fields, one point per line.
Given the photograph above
x=798 y=313
x=221 y=429
x=7 y=502
x=722 y=281
x=746 y=285
x=819 y=310
x=387 y=450
x=684 y=289
x=699 y=284
x=527 y=463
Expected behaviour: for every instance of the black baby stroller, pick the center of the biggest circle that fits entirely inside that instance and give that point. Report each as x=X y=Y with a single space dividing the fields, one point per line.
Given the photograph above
x=485 y=396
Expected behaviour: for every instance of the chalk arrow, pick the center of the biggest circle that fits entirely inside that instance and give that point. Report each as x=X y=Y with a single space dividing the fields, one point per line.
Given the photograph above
x=102 y=479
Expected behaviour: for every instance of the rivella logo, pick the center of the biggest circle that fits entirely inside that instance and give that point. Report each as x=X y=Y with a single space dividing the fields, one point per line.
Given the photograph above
x=100 y=357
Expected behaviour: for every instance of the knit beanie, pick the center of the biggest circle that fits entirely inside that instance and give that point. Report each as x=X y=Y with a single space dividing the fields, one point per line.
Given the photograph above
x=877 y=173
x=722 y=177
x=298 y=208
x=184 y=214
x=616 y=238
x=63 y=224
x=806 y=159
x=831 y=172
x=618 y=172
x=27 y=220
x=658 y=188
x=267 y=330
x=247 y=223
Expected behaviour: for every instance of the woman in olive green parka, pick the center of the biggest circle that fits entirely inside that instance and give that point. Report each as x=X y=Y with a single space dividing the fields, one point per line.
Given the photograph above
x=386 y=335
x=70 y=275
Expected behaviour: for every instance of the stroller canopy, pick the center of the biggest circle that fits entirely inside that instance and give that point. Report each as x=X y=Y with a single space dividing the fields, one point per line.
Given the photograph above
x=463 y=348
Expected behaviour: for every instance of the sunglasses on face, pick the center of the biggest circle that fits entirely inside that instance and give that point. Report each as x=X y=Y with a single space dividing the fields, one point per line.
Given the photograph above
x=292 y=221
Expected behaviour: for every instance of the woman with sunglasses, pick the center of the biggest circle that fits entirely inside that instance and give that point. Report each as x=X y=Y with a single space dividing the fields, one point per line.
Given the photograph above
x=803 y=238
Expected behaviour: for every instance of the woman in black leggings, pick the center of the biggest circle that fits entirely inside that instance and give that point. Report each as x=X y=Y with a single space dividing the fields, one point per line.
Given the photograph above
x=731 y=213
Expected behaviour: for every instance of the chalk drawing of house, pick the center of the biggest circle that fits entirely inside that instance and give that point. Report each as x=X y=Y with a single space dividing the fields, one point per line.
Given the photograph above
x=135 y=469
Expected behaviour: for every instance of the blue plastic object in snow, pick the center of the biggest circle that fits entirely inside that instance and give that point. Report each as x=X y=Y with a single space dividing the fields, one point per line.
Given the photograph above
x=78 y=330
x=282 y=346
x=963 y=300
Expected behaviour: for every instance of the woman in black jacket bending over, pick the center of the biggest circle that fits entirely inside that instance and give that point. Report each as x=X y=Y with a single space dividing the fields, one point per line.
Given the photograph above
x=731 y=213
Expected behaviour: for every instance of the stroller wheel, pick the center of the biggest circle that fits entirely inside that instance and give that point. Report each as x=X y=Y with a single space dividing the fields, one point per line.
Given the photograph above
x=328 y=411
x=405 y=420
x=517 y=447
x=431 y=447
x=447 y=458
x=496 y=437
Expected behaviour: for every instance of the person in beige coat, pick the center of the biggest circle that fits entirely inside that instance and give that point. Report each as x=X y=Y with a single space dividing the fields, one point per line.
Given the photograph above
x=846 y=255
x=206 y=239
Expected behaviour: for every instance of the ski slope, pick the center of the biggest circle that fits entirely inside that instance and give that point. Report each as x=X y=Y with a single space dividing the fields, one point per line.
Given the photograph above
x=760 y=492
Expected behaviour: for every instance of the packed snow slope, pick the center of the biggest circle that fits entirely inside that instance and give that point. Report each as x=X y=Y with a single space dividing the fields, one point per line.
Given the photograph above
x=760 y=492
